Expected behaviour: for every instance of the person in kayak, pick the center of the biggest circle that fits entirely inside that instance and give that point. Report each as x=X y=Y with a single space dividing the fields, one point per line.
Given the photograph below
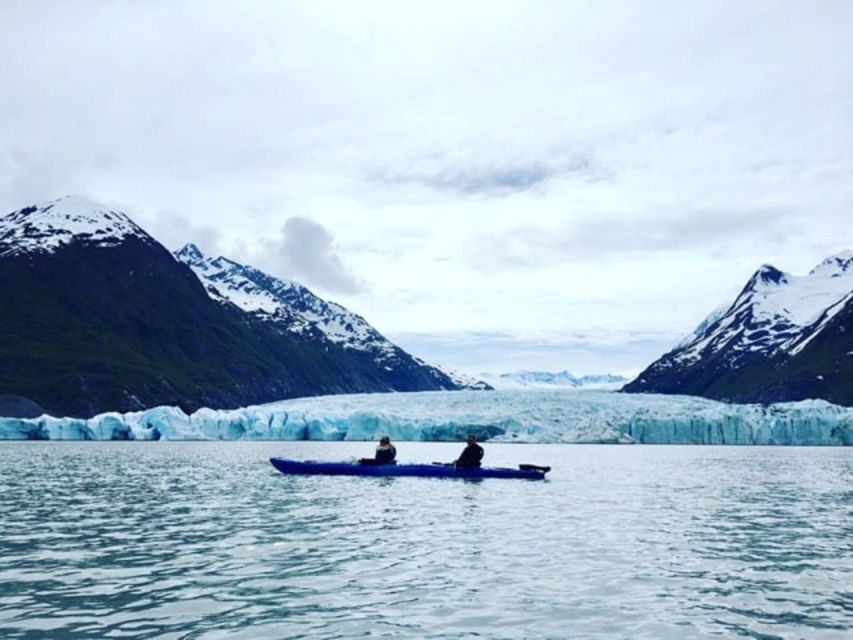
x=471 y=455
x=385 y=453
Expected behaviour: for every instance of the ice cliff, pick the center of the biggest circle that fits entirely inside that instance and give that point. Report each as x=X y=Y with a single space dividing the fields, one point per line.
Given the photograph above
x=505 y=416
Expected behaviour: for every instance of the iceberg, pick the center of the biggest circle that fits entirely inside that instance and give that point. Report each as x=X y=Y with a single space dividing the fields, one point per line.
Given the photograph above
x=528 y=416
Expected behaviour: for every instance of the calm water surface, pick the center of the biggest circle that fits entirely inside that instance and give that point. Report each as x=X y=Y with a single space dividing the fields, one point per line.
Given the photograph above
x=206 y=540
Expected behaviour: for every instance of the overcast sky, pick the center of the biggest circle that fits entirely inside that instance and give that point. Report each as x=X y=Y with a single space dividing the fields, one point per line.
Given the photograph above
x=495 y=185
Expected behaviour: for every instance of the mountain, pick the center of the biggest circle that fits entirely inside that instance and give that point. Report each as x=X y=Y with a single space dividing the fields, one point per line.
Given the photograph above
x=783 y=338
x=289 y=307
x=46 y=228
x=99 y=316
x=550 y=380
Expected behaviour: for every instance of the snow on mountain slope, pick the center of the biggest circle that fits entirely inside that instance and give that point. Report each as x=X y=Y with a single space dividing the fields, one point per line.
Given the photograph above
x=461 y=380
x=702 y=327
x=227 y=281
x=97 y=315
x=774 y=312
x=782 y=339
x=288 y=303
x=295 y=309
x=45 y=227
x=798 y=344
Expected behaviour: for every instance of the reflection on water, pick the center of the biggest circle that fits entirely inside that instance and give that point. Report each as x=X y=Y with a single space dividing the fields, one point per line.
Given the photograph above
x=206 y=540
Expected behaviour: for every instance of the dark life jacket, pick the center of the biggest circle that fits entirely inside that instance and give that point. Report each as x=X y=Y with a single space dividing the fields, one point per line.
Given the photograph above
x=471 y=456
x=385 y=453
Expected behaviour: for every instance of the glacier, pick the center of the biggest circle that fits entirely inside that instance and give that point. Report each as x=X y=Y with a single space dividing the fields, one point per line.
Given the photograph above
x=524 y=416
x=552 y=380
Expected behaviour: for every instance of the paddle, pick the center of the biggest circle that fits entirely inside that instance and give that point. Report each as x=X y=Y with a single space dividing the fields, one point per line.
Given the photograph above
x=521 y=467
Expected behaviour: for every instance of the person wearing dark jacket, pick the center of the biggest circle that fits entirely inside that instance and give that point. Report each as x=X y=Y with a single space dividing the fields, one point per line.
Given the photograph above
x=471 y=455
x=385 y=453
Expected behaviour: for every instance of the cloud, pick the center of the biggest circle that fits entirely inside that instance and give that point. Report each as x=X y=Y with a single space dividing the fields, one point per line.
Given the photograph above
x=501 y=352
x=306 y=252
x=174 y=230
x=27 y=179
x=615 y=151
x=484 y=174
x=608 y=237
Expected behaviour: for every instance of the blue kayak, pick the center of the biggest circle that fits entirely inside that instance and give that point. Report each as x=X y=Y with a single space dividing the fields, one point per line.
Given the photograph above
x=311 y=468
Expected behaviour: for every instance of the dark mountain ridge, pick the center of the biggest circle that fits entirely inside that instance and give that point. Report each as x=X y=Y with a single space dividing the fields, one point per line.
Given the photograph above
x=98 y=316
x=784 y=338
x=289 y=307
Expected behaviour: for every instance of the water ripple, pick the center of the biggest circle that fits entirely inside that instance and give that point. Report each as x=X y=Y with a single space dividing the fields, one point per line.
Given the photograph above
x=206 y=541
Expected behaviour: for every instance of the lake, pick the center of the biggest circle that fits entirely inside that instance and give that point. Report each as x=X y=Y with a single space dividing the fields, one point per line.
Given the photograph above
x=197 y=540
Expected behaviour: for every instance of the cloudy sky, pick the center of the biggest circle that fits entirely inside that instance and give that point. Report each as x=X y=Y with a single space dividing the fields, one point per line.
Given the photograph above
x=495 y=185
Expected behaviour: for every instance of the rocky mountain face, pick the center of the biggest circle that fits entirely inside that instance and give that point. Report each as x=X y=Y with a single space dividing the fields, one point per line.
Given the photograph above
x=289 y=307
x=99 y=316
x=784 y=338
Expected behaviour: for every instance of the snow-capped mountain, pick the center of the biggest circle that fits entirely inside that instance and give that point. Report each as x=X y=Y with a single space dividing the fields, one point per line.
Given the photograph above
x=292 y=307
x=97 y=315
x=553 y=380
x=774 y=312
x=45 y=227
x=771 y=325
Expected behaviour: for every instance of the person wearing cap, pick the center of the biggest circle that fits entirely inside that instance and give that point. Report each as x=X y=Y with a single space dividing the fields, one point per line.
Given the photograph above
x=471 y=455
x=385 y=453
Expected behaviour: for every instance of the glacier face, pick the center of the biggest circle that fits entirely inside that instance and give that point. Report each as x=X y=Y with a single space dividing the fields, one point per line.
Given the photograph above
x=504 y=416
x=552 y=380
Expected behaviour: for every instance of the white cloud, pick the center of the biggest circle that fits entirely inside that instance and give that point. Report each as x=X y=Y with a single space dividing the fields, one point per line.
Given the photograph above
x=484 y=166
x=174 y=230
x=306 y=252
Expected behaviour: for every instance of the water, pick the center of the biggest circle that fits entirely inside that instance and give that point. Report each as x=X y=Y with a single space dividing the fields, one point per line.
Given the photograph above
x=205 y=540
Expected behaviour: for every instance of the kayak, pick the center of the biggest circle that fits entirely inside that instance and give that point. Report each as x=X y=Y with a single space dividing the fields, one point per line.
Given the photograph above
x=313 y=468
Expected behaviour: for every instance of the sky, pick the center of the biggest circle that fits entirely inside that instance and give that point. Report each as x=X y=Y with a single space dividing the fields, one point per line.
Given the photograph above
x=494 y=185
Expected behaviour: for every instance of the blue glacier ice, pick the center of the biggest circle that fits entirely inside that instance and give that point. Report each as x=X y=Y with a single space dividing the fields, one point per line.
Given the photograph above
x=503 y=416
